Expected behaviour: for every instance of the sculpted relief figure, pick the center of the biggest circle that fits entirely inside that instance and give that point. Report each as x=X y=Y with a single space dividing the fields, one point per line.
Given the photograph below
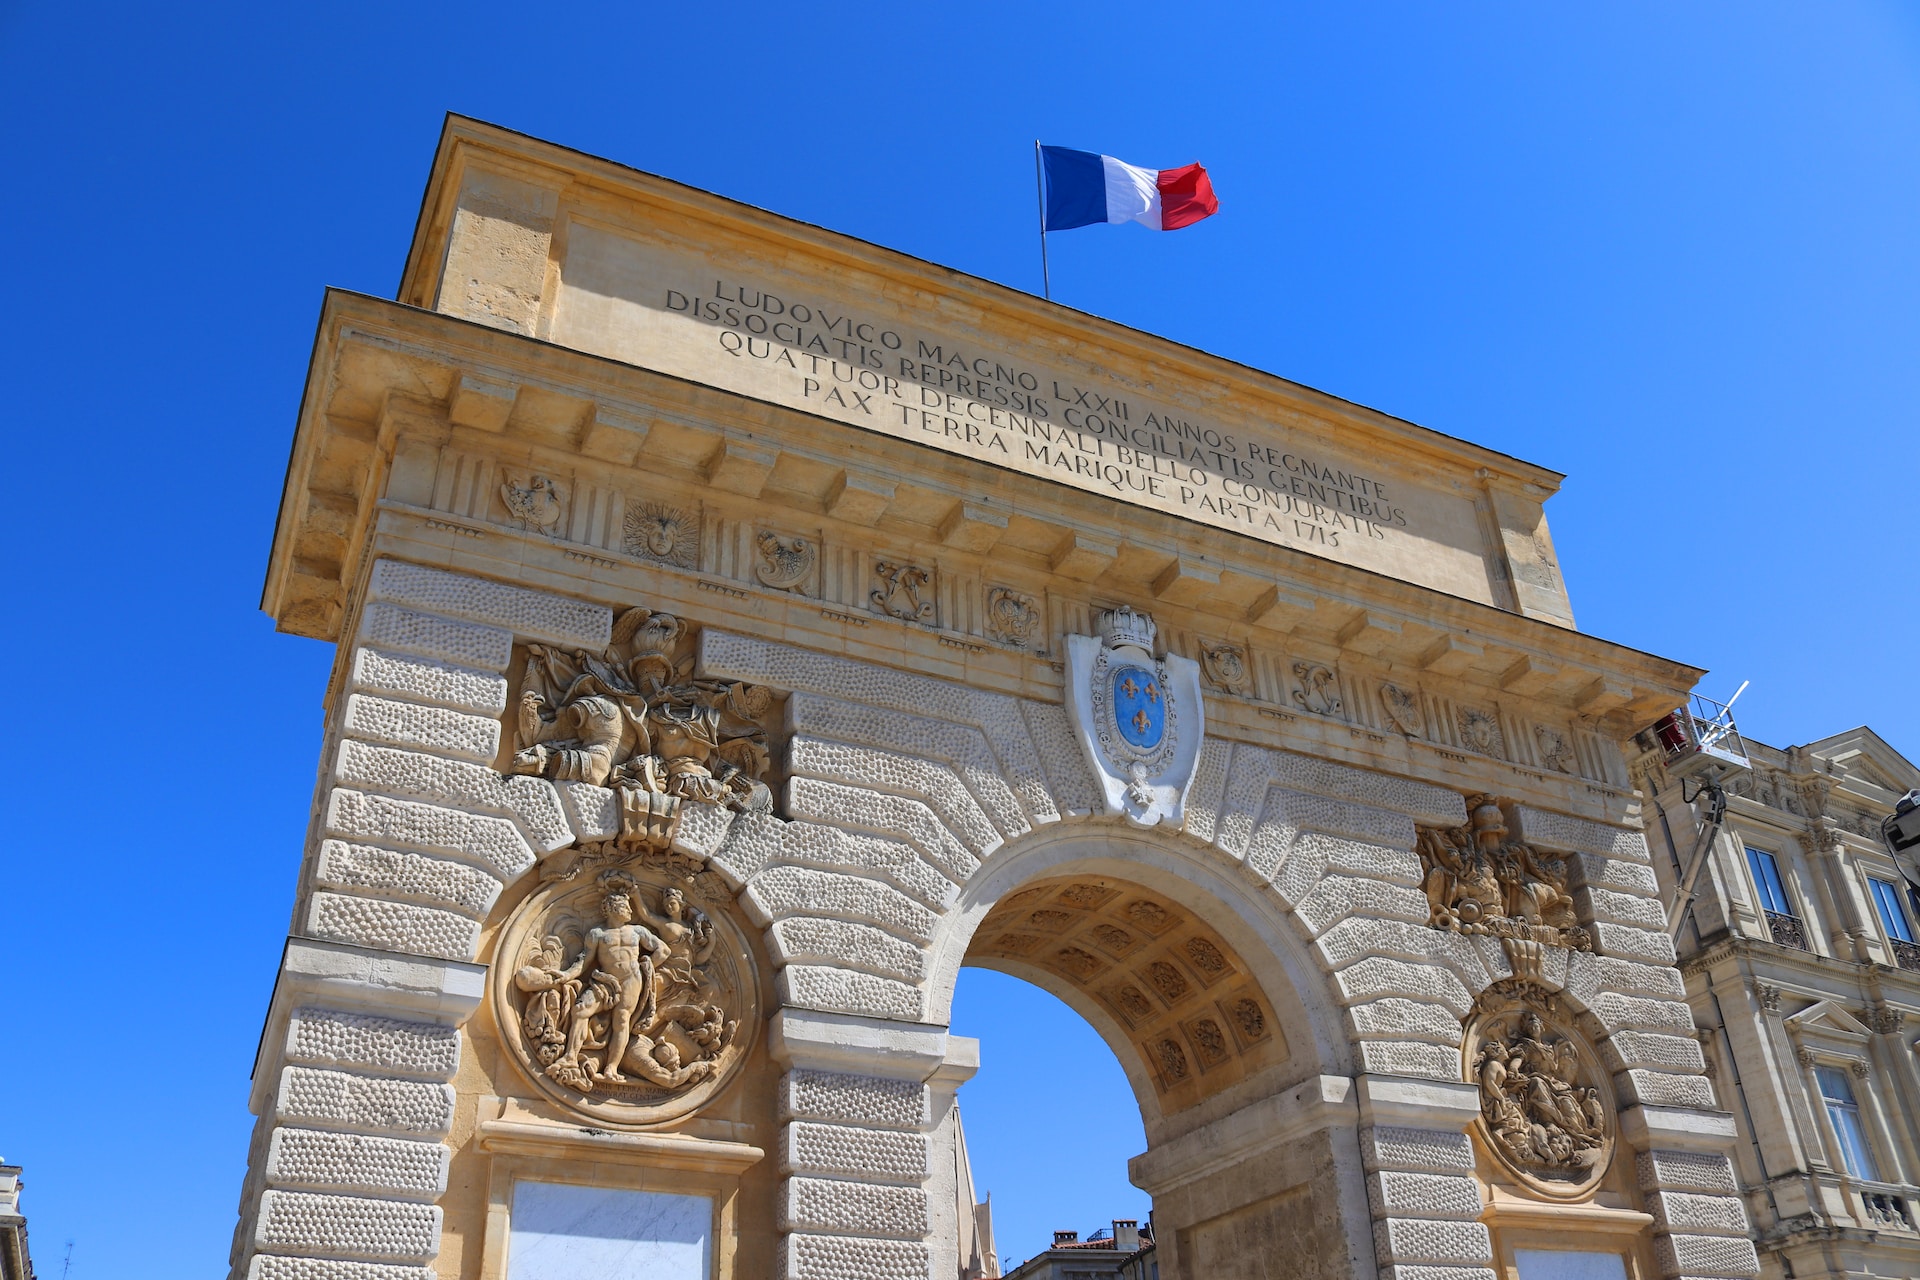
x=631 y=1008
x=634 y=720
x=1479 y=881
x=1544 y=1113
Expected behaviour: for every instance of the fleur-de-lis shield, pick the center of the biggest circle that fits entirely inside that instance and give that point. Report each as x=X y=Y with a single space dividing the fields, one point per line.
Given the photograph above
x=1138 y=716
x=1139 y=706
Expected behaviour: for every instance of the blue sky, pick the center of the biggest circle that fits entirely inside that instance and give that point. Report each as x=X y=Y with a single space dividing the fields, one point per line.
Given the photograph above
x=1669 y=250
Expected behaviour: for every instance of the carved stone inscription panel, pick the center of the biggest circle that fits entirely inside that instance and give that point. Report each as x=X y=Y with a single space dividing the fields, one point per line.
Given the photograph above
x=1004 y=399
x=619 y=997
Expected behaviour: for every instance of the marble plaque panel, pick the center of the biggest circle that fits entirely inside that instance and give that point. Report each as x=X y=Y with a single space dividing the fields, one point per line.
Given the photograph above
x=1560 y=1264
x=562 y=1232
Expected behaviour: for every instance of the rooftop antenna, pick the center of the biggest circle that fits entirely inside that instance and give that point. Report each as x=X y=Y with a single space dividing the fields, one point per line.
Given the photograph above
x=67 y=1263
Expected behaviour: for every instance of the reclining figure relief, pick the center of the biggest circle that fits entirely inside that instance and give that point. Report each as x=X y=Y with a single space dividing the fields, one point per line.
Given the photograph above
x=634 y=719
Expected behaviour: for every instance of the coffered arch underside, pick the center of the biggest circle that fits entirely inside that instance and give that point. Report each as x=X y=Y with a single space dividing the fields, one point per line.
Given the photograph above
x=903 y=793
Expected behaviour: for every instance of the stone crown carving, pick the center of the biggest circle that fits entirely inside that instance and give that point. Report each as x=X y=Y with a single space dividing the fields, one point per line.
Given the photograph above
x=632 y=718
x=1127 y=626
x=1479 y=881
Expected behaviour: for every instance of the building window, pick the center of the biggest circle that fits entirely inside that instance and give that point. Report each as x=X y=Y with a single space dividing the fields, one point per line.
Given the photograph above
x=1899 y=930
x=1842 y=1108
x=1888 y=901
x=1783 y=925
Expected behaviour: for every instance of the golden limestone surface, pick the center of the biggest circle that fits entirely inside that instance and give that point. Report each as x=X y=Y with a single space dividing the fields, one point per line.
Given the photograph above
x=741 y=629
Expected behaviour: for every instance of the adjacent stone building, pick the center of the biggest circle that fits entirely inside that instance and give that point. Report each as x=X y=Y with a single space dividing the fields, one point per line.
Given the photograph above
x=16 y=1262
x=741 y=627
x=1123 y=1251
x=1804 y=979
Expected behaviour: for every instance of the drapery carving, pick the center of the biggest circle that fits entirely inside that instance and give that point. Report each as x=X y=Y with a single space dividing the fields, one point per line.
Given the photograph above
x=1543 y=1104
x=634 y=719
x=1480 y=881
x=619 y=996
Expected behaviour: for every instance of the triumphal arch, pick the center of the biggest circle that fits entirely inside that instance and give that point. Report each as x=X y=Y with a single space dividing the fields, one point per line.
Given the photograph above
x=741 y=627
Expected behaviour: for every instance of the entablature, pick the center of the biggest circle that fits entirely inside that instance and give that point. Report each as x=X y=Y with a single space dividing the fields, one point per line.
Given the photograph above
x=406 y=410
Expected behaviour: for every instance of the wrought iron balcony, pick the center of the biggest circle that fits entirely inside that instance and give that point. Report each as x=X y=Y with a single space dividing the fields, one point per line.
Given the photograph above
x=1787 y=931
x=1906 y=954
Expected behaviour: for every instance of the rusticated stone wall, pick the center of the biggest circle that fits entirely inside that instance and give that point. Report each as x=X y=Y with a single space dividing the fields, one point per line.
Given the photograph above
x=901 y=788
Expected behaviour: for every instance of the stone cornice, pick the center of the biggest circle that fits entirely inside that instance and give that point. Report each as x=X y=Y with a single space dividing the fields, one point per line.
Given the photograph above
x=384 y=374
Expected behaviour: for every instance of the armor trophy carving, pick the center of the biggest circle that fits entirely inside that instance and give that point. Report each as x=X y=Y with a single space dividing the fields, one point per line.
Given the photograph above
x=634 y=719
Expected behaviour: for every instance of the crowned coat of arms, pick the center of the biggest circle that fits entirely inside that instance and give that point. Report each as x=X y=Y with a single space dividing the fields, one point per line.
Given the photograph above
x=1138 y=717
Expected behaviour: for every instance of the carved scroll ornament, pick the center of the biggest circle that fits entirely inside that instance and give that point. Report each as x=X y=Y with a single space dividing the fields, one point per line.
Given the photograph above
x=1544 y=1109
x=1480 y=881
x=634 y=719
x=785 y=563
x=903 y=591
x=620 y=998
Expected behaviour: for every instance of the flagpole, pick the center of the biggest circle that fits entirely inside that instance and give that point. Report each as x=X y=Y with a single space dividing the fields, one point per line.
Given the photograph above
x=1040 y=194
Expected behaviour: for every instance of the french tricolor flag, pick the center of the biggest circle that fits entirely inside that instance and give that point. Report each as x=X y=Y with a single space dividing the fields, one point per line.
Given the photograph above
x=1084 y=188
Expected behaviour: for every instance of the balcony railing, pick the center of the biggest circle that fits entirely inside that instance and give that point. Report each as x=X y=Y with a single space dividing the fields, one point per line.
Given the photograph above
x=1885 y=1210
x=1787 y=931
x=1906 y=954
x=1702 y=737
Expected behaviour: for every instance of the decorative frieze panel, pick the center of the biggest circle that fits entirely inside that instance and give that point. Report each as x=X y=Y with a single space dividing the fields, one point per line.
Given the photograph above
x=1316 y=689
x=1227 y=668
x=785 y=562
x=903 y=591
x=663 y=533
x=534 y=501
x=1013 y=619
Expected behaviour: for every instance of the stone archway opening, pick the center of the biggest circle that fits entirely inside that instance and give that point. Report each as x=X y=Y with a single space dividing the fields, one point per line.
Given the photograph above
x=1196 y=1034
x=1050 y=1119
x=1191 y=1016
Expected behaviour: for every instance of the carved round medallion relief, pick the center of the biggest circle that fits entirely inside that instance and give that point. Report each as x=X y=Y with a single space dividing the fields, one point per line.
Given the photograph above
x=621 y=997
x=1546 y=1111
